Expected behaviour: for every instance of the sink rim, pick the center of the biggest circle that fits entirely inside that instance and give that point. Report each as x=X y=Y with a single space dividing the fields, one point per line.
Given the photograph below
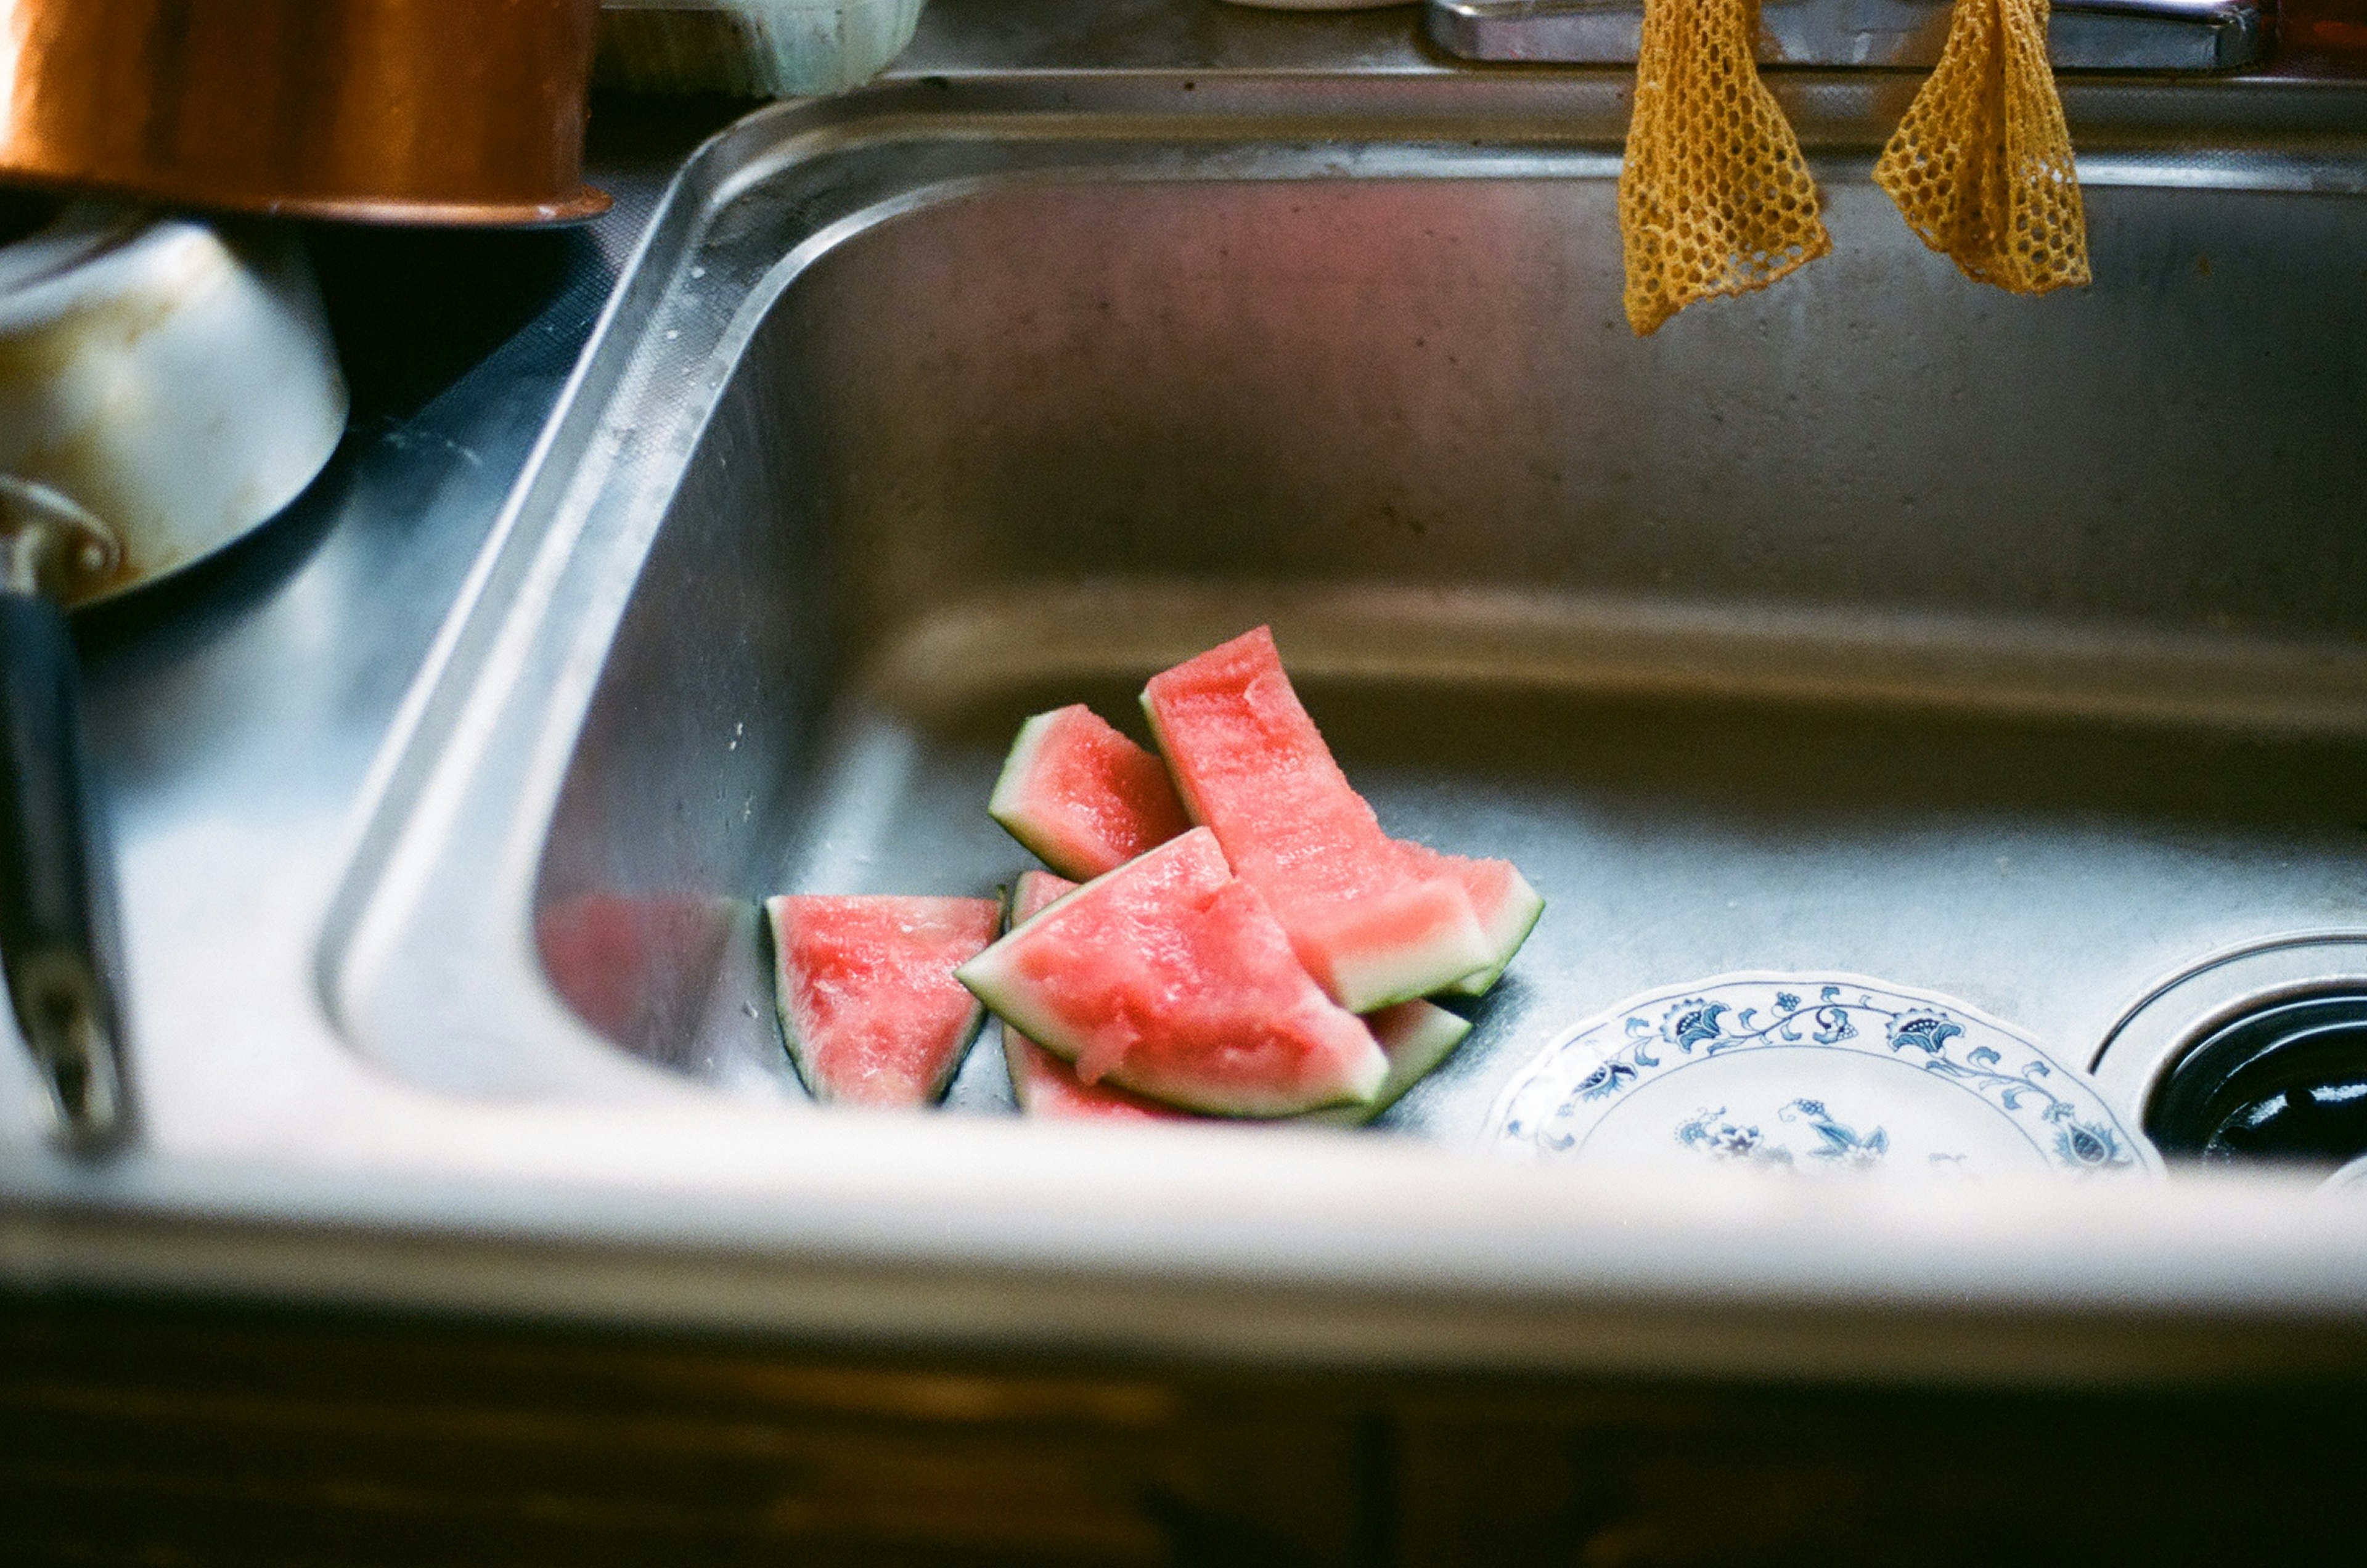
x=501 y=633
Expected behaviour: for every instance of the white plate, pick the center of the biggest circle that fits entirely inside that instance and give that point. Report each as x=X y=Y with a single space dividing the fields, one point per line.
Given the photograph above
x=1809 y=1072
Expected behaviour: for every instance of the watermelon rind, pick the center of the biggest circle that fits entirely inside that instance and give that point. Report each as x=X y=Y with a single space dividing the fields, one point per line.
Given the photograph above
x=1008 y=1001
x=821 y=1089
x=1407 y=974
x=1007 y=805
x=989 y=978
x=1043 y=1083
x=1032 y=893
x=1412 y=934
x=1416 y=1036
x=1046 y=1085
x=1401 y=975
x=1507 y=927
x=1037 y=801
x=1478 y=984
x=1194 y=806
x=992 y=977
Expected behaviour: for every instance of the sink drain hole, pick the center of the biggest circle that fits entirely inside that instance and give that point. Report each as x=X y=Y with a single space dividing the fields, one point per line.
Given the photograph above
x=2285 y=1084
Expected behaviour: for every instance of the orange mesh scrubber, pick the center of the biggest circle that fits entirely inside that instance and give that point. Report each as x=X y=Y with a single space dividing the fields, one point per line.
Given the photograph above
x=1981 y=166
x=1714 y=197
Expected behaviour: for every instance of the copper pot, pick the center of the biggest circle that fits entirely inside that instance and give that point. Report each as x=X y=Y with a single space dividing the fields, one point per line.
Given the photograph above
x=393 y=111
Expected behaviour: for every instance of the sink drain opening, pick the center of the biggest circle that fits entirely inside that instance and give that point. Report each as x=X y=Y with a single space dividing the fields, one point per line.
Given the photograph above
x=2285 y=1084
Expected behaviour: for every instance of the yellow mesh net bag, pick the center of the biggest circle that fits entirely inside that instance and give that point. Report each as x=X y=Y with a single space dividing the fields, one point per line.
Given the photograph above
x=1981 y=166
x=1714 y=197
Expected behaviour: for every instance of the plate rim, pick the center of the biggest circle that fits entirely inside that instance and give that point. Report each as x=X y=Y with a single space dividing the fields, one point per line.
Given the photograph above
x=1492 y=1138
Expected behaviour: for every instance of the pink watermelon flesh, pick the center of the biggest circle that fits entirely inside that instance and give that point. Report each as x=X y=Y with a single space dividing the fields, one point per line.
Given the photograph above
x=1045 y=1086
x=1415 y=1036
x=1042 y=1083
x=1083 y=797
x=1034 y=894
x=1170 y=976
x=867 y=998
x=1370 y=922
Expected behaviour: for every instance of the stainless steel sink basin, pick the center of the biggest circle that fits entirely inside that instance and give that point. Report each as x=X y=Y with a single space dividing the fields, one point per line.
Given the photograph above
x=1879 y=622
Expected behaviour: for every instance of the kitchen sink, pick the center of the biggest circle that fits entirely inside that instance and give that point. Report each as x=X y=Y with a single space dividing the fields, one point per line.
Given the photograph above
x=1879 y=622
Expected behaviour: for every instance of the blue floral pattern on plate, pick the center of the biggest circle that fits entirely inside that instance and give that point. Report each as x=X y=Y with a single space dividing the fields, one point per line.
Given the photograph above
x=1778 y=1071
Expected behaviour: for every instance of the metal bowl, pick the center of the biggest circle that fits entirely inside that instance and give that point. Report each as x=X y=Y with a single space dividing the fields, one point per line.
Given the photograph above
x=174 y=378
x=388 y=111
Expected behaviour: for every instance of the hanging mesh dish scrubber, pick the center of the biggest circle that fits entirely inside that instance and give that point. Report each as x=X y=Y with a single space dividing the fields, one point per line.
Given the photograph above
x=1981 y=166
x=1714 y=197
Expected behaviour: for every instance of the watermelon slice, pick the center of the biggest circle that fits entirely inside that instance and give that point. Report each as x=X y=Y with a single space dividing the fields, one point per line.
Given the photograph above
x=1171 y=976
x=1042 y=1083
x=1373 y=919
x=1507 y=905
x=1083 y=797
x=1047 y=1087
x=1415 y=1036
x=867 y=993
x=1036 y=891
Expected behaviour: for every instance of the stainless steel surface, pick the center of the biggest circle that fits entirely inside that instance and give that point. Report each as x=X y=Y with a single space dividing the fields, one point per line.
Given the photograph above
x=233 y=711
x=51 y=543
x=2082 y=34
x=1750 y=647
x=2135 y=812
x=174 y=378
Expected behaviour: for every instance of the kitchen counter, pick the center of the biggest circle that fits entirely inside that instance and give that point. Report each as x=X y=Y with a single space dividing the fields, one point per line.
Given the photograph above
x=241 y=717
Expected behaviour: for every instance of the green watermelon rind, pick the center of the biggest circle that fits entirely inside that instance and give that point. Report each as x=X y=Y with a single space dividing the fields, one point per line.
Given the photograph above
x=988 y=983
x=1414 y=1052
x=1192 y=807
x=1515 y=935
x=1013 y=1067
x=969 y=1034
x=971 y=1029
x=1006 y=805
x=1427 y=1036
x=1012 y=1038
x=1365 y=994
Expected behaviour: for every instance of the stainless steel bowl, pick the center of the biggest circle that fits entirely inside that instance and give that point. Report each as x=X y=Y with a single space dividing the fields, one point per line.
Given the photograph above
x=164 y=388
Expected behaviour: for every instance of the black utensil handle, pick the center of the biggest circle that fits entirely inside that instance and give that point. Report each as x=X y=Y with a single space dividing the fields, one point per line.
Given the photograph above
x=51 y=905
